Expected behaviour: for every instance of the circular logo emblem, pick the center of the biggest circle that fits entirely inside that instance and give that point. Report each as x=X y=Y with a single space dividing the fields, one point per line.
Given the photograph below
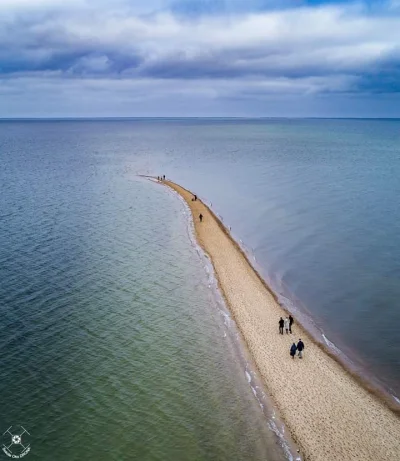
x=15 y=442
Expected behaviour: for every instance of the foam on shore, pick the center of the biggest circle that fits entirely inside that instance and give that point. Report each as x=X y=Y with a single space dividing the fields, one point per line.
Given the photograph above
x=330 y=415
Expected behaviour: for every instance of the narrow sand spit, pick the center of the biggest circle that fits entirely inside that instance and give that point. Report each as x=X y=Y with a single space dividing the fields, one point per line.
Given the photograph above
x=329 y=414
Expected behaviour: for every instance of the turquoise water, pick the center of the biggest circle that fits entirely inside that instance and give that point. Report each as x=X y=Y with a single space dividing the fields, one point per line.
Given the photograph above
x=114 y=346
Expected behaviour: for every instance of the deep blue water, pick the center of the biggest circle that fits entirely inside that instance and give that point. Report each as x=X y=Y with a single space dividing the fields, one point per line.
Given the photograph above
x=314 y=201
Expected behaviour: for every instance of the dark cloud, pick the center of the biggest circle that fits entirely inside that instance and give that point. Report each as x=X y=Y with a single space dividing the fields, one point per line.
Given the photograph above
x=200 y=47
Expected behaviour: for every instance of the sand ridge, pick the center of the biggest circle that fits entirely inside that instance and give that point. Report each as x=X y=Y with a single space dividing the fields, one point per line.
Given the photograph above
x=329 y=414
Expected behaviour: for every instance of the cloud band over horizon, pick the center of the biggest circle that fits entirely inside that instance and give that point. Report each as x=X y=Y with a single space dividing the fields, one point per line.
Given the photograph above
x=197 y=58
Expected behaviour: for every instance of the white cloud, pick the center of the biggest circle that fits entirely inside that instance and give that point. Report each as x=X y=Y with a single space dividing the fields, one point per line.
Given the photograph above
x=99 y=45
x=329 y=37
x=29 y=5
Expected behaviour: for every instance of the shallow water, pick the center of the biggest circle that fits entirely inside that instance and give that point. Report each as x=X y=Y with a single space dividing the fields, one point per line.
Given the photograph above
x=316 y=203
x=114 y=345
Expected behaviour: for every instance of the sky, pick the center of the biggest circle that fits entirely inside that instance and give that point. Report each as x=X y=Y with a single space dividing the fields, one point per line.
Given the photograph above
x=199 y=58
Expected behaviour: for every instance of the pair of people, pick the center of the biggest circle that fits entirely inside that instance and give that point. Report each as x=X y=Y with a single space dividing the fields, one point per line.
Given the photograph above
x=287 y=324
x=299 y=347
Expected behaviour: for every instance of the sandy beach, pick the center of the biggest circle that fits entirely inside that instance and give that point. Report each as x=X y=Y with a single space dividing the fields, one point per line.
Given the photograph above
x=330 y=415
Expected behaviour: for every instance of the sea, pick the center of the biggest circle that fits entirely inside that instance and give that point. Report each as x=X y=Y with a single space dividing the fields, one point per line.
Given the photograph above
x=116 y=344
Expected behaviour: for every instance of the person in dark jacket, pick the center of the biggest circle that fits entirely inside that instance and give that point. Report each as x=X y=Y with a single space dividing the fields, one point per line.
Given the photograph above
x=300 y=348
x=293 y=350
x=291 y=321
x=201 y=217
x=281 y=323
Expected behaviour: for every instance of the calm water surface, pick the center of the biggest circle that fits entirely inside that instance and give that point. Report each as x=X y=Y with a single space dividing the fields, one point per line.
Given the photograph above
x=316 y=204
x=112 y=340
x=113 y=344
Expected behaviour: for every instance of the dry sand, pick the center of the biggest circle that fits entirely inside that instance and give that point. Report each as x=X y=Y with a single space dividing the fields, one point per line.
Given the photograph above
x=329 y=414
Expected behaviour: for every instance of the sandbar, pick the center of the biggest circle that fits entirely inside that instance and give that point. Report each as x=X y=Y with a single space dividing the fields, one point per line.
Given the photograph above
x=329 y=414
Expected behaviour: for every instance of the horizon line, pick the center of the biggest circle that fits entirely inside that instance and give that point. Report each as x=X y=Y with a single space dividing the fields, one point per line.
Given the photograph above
x=192 y=118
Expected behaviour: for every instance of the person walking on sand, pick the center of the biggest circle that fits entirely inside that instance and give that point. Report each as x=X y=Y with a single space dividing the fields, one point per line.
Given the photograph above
x=281 y=323
x=164 y=177
x=300 y=348
x=293 y=350
x=201 y=217
x=287 y=325
x=291 y=321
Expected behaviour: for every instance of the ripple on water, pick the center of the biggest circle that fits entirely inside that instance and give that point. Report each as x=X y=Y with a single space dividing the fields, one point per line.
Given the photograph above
x=114 y=343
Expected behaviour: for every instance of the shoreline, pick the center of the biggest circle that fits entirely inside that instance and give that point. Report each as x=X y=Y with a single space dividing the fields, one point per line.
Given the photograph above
x=330 y=412
x=368 y=382
x=276 y=425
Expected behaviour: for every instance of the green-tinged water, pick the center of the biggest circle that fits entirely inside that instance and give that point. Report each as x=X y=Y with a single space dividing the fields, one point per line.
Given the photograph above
x=113 y=344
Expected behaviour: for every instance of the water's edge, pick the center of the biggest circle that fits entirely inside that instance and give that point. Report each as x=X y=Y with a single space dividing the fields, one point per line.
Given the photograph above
x=367 y=381
x=257 y=386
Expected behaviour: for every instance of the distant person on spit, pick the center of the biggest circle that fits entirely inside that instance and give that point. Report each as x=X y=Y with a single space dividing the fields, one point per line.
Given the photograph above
x=291 y=321
x=164 y=177
x=300 y=348
x=293 y=350
x=287 y=325
x=281 y=323
x=201 y=217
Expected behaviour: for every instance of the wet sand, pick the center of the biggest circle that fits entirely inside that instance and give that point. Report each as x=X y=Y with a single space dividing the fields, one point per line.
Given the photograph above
x=330 y=415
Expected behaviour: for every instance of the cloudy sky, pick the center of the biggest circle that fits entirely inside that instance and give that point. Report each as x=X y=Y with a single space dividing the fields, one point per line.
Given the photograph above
x=85 y=58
